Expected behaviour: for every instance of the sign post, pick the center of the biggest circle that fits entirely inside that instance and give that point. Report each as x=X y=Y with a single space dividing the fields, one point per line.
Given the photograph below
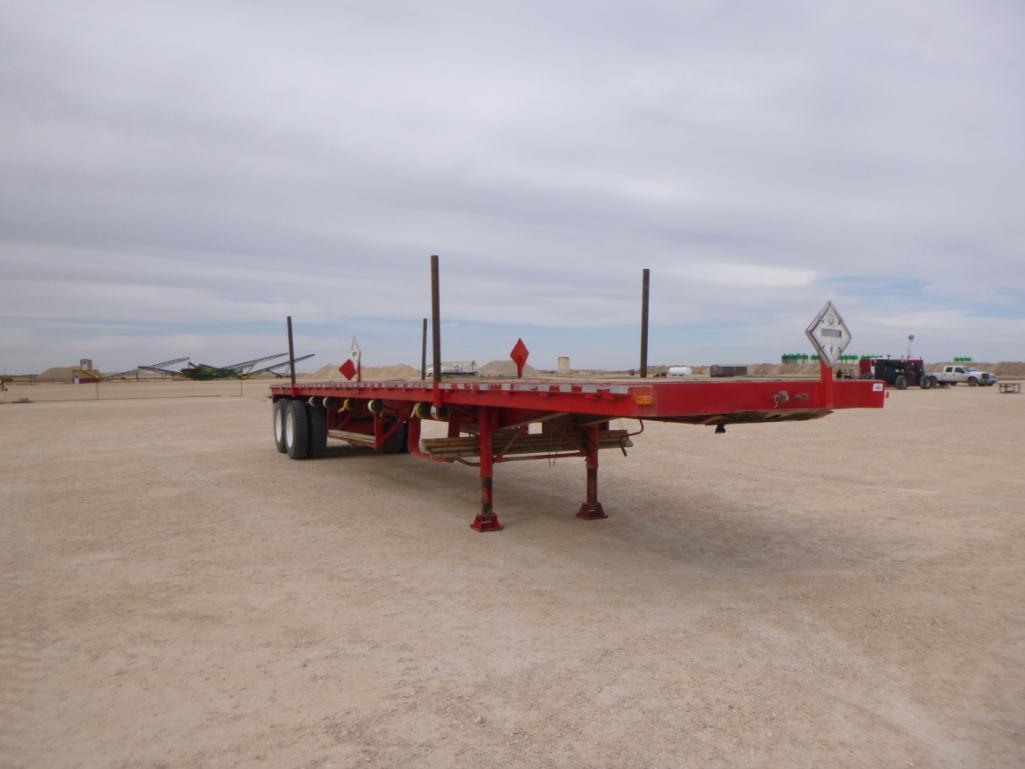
x=829 y=336
x=357 y=355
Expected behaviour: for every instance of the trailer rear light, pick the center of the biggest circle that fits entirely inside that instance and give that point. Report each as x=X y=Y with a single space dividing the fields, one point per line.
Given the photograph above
x=644 y=400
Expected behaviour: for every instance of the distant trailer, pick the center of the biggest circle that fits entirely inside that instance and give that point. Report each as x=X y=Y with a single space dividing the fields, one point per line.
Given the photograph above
x=724 y=371
x=679 y=371
x=455 y=368
x=495 y=421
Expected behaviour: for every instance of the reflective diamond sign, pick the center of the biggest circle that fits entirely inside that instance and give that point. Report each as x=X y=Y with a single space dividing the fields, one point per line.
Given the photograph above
x=829 y=334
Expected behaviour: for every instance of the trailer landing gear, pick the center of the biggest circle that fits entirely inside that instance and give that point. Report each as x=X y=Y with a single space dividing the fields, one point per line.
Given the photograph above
x=486 y=519
x=592 y=509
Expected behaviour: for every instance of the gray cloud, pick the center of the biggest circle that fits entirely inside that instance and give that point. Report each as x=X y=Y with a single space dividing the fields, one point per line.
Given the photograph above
x=173 y=168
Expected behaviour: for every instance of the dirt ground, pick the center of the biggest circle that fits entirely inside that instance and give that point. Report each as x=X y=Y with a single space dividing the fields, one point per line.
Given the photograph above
x=843 y=593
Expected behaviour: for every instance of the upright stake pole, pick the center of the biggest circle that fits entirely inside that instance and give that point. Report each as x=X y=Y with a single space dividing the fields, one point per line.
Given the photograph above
x=291 y=353
x=645 y=279
x=423 y=353
x=436 y=328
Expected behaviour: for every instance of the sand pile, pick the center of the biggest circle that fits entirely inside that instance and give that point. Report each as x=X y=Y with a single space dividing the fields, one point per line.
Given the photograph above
x=506 y=368
x=398 y=371
x=773 y=369
x=325 y=373
x=1009 y=369
x=58 y=374
x=330 y=372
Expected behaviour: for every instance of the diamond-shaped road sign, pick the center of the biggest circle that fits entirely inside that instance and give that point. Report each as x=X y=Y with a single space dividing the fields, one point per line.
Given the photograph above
x=519 y=355
x=347 y=370
x=829 y=334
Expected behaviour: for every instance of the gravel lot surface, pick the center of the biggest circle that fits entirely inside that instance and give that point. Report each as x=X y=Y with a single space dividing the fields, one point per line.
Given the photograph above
x=843 y=593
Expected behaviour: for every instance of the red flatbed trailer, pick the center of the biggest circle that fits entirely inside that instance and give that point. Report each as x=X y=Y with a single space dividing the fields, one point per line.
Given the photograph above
x=489 y=420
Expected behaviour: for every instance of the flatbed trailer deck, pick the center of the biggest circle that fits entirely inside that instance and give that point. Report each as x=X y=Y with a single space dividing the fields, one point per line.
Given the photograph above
x=492 y=421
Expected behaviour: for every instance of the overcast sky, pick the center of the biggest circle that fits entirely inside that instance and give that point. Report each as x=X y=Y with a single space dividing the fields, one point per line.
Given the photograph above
x=175 y=178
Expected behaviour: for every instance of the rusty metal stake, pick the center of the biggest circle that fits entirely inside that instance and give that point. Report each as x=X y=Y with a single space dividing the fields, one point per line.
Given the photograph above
x=291 y=352
x=423 y=352
x=436 y=328
x=645 y=277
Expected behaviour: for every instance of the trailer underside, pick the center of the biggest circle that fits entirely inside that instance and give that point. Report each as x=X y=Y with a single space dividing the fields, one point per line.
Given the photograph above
x=494 y=421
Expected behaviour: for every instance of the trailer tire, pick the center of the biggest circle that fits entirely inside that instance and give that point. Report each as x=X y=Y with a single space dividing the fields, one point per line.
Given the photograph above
x=973 y=382
x=901 y=382
x=297 y=430
x=318 y=431
x=280 y=407
x=396 y=444
x=927 y=382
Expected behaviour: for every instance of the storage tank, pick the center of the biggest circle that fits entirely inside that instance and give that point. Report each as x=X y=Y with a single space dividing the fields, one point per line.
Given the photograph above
x=680 y=371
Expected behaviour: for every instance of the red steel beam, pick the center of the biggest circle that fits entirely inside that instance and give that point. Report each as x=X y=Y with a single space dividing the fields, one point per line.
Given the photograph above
x=672 y=401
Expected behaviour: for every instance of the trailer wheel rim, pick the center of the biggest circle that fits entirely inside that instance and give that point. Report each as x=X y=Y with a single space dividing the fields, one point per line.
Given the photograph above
x=289 y=428
x=278 y=427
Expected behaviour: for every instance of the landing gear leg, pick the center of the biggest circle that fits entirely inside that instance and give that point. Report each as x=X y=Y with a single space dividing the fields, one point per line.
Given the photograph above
x=486 y=520
x=592 y=508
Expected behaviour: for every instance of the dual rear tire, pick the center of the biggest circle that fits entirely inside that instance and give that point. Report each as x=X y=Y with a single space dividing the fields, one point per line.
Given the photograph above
x=300 y=430
x=396 y=444
x=317 y=416
x=280 y=409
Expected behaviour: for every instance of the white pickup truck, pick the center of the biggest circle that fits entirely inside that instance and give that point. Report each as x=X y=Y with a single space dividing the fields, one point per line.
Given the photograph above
x=953 y=375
